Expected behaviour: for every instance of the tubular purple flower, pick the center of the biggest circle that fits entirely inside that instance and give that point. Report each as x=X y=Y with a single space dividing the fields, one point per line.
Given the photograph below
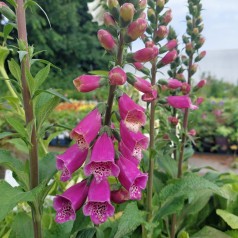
x=70 y=201
x=181 y=102
x=119 y=196
x=169 y=46
x=139 y=83
x=134 y=141
x=117 y=76
x=150 y=96
x=98 y=205
x=71 y=160
x=168 y=58
x=108 y=19
x=106 y=39
x=131 y=178
x=174 y=84
x=87 y=129
x=87 y=83
x=101 y=163
x=167 y=17
x=128 y=154
x=131 y=113
x=199 y=101
x=161 y=32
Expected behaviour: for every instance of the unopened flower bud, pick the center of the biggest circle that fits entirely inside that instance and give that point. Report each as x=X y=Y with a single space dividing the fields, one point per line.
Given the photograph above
x=151 y=15
x=174 y=84
x=166 y=17
x=189 y=48
x=120 y=196
x=200 y=84
x=168 y=58
x=185 y=88
x=139 y=66
x=136 y=29
x=113 y=6
x=117 y=76
x=159 y=5
x=195 y=31
x=127 y=12
x=180 y=77
x=143 y=15
x=161 y=32
x=108 y=19
x=169 y=46
x=7 y=12
x=194 y=68
x=199 y=101
x=106 y=39
x=143 y=4
x=200 y=42
x=149 y=44
x=200 y=56
x=185 y=39
x=173 y=120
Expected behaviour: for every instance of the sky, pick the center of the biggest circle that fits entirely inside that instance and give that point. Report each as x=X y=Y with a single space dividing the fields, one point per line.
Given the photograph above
x=220 y=22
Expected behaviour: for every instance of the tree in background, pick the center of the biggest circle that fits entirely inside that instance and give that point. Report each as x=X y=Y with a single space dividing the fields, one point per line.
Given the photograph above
x=71 y=41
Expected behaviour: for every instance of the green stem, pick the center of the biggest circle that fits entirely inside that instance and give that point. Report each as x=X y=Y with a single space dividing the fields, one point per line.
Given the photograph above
x=29 y=115
x=113 y=88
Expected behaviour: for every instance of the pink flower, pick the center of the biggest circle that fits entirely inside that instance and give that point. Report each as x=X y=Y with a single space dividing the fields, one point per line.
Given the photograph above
x=138 y=65
x=168 y=58
x=101 y=163
x=185 y=88
x=87 y=83
x=169 y=46
x=150 y=96
x=199 y=101
x=173 y=120
x=136 y=29
x=201 y=84
x=192 y=132
x=3 y=4
x=200 y=56
x=70 y=201
x=174 y=83
x=139 y=83
x=108 y=19
x=87 y=129
x=128 y=154
x=71 y=160
x=143 y=55
x=142 y=4
x=131 y=178
x=131 y=113
x=117 y=76
x=134 y=141
x=119 y=196
x=181 y=102
x=149 y=44
x=106 y=39
x=98 y=205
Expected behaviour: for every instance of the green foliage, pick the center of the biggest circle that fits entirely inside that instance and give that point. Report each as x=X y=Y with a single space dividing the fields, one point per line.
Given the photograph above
x=208 y=232
x=229 y=218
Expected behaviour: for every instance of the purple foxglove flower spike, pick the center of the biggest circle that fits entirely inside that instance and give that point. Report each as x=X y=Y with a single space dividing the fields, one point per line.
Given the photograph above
x=119 y=196
x=98 y=205
x=117 y=76
x=181 y=102
x=131 y=178
x=174 y=83
x=70 y=201
x=132 y=114
x=136 y=29
x=139 y=83
x=135 y=142
x=71 y=160
x=101 y=163
x=87 y=129
x=143 y=55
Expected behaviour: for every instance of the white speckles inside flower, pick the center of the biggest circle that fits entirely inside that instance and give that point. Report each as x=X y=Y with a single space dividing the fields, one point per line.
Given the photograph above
x=65 y=174
x=135 y=192
x=65 y=213
x=98 y=211
x=101 y=170
x=137 y=152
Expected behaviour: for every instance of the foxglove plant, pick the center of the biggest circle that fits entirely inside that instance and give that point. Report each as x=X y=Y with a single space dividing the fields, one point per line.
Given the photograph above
x=96 y=136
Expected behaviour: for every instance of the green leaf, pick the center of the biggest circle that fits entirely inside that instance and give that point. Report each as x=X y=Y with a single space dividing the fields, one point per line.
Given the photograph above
x=16 y=166
x=209 y=232
x=229 y=218
x=47 y=167
x=22 y=226
x=168 y=164
x=86 y=233
x=232 y=233
x=19 y=144
x=81 y=222
x=53 y=92
x=7 y=30
x=13 y=3
x=6 y=134
x=130 y=220
x=44 y=62
x=10 y=197
x=188 y=152
x=42 y=75
x=15 y=69
x=30 y=81
x=17 y=126
x=183 y=234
